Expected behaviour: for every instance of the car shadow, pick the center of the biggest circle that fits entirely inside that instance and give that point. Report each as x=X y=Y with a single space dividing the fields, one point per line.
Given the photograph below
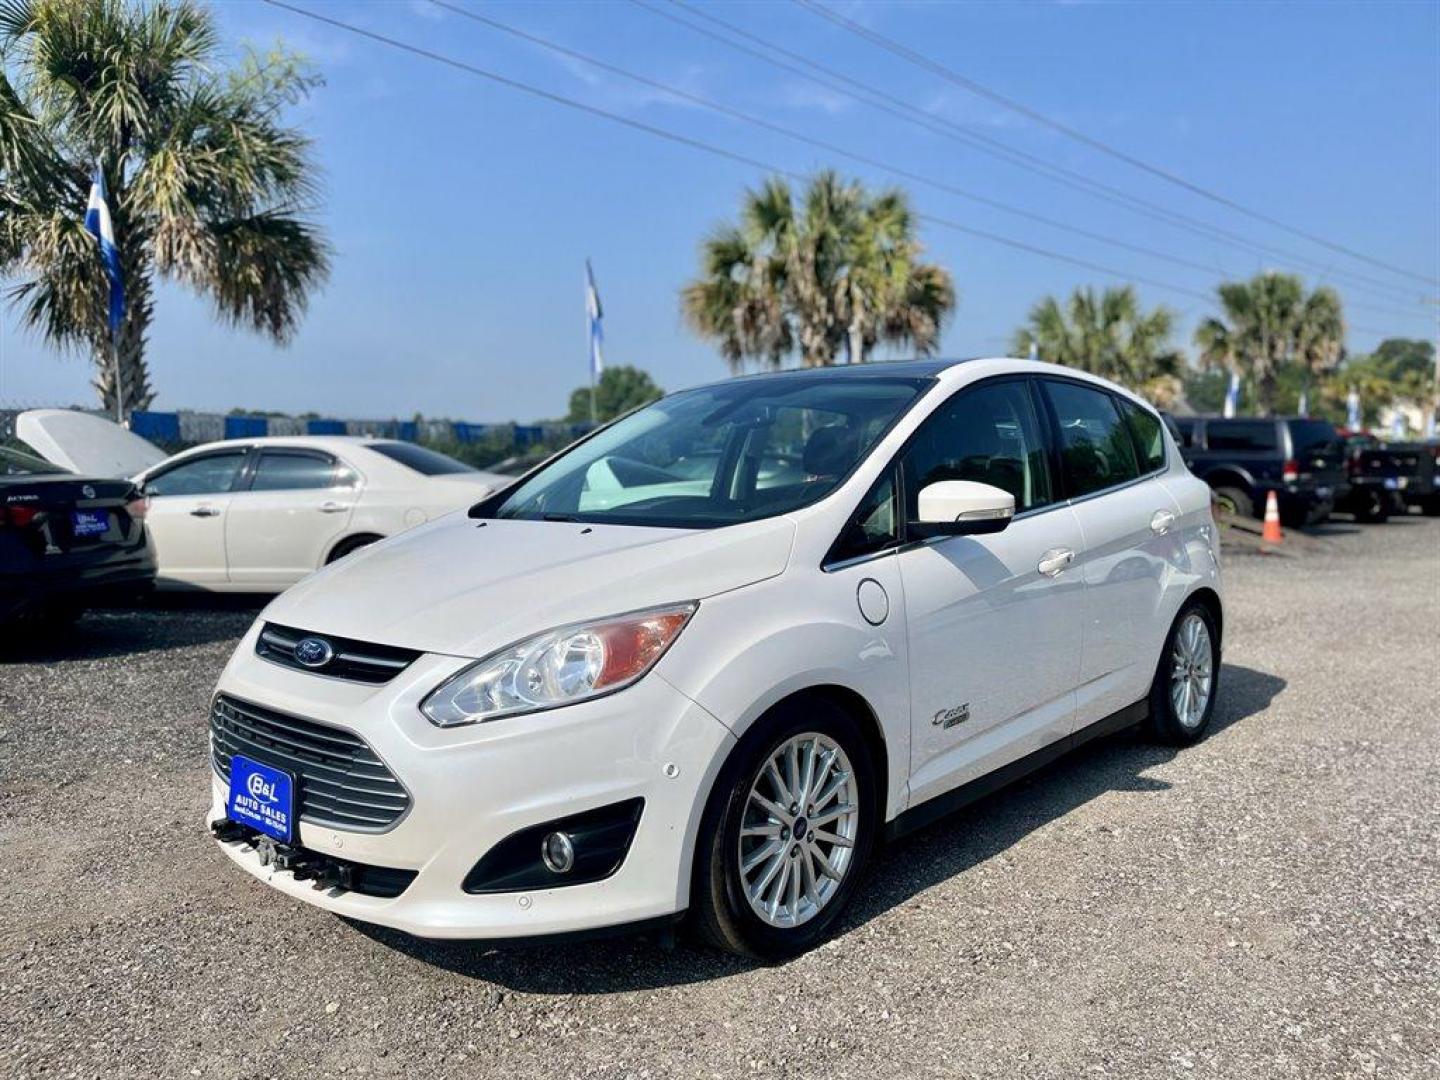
x=900 y=871
x=162 y=621
x=1332 y=528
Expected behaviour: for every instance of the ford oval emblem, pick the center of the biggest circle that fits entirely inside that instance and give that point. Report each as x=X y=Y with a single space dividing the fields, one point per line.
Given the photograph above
x=313 y=652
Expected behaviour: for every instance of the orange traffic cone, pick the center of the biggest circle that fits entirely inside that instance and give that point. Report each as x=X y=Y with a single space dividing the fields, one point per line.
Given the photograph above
x=1272 y=533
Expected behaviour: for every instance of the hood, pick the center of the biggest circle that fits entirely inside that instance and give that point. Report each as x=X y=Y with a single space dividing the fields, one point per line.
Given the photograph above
x=86 y=444
x=466 y=588
x=466 y=488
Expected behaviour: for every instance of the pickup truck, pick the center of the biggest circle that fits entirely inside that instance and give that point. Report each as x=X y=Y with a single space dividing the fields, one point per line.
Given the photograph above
x=1243 y=459
x=1388 y=477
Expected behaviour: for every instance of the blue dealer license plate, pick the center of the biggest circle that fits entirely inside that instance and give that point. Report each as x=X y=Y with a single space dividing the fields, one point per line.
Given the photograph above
x=262 y=797
x=89 y=522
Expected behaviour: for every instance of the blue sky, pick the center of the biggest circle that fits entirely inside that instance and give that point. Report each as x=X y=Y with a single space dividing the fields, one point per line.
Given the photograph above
x=461 y=212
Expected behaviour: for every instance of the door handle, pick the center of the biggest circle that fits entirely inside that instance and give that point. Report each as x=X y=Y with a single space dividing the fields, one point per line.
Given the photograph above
x=1055 y=560
x=332 y=507
x=1161 y=522
x=204 y=511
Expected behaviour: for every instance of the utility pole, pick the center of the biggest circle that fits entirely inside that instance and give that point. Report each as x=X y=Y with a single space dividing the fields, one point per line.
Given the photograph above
x=1433 y=423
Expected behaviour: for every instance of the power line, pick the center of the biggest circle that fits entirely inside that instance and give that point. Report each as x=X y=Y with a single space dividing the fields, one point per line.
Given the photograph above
x=828 y=147
x=700 y=144
x=981 y=90
x=904 y=110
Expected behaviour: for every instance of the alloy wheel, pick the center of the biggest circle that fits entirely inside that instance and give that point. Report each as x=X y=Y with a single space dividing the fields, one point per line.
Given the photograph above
x=1192 y=671
x=798 y=830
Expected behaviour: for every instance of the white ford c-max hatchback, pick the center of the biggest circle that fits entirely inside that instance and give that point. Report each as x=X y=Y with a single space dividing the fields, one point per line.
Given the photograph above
x=704 y=659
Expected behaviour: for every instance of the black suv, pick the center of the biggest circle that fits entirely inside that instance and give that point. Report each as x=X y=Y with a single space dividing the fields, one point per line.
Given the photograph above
x=1244 y=459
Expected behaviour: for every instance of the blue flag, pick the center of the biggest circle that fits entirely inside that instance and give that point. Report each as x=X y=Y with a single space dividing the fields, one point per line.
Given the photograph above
x=98 y=225
x=1232 y=395
x=593 y=314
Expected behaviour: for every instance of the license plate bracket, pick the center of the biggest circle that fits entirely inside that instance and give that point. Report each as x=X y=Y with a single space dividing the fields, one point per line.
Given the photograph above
x=262 y=797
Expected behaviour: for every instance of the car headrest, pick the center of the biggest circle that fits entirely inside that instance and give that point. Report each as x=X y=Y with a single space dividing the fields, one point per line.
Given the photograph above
x=830 y=451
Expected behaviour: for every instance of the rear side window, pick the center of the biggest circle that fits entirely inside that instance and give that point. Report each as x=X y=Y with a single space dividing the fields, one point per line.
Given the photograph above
x=209 y=475
x=278 y=471
x=1145 y=427
x=1095 y=445
x=1249 y=435
x=990 y=434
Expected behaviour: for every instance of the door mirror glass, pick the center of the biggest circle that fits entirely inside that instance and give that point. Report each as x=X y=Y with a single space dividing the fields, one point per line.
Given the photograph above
x=962 y=508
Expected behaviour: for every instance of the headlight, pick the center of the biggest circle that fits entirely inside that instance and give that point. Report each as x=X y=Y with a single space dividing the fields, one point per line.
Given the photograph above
x=559 y=667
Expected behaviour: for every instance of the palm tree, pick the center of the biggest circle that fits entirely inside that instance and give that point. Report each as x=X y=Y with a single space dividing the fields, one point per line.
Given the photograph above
x=1319 y=335
x=1110 y=335
x=1258 y=331
x=207 y=187
x=841 y=270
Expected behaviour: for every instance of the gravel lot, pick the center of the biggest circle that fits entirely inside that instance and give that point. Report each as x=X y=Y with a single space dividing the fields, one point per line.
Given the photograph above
x=1266 y=904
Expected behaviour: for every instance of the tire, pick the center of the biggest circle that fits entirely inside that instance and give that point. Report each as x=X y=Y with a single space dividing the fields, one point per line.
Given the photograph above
x=1372 y=508
x=722 y=911
x=1431 y=506
x=1236 y=500
x=1167 y=723
x=349 y=544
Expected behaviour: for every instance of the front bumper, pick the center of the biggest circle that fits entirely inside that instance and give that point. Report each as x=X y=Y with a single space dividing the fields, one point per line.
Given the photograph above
x=472 y=787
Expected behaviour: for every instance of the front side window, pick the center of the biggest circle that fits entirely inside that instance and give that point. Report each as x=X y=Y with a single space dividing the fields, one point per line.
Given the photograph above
x=718 y=455
x=277 y=471
x=874 y=526
x=208 y=475
x=1145 y=428
x=1095 y=447
x=990 y=434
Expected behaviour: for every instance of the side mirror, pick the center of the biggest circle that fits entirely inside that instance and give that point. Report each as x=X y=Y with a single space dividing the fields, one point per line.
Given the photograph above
x=962 y=508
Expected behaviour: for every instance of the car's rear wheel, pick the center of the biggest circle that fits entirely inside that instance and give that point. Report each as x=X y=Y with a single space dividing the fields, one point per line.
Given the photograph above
x=1235 y=501
x=349 y=544
x=788 y=832
x=1182 y=697
x=1372 y=507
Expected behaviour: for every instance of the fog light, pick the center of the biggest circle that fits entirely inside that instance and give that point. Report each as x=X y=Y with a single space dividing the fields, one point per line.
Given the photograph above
x=558 y=852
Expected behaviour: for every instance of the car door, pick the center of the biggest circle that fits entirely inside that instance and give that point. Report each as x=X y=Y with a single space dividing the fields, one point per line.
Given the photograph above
x=993 y=620
x=189 y=501
x=294 y=507
x=1127 y=522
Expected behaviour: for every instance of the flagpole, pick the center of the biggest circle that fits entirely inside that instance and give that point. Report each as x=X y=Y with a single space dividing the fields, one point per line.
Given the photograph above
x=119 y=384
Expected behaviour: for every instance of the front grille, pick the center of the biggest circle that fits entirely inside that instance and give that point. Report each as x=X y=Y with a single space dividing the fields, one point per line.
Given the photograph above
x=339 y=780
x=356 y=661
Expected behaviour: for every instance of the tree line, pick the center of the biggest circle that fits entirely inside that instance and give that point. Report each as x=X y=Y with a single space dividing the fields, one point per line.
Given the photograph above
x=827 y=274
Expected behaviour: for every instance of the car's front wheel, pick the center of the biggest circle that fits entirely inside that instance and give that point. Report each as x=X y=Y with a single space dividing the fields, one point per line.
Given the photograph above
x=787 y=833
x=1182 y=697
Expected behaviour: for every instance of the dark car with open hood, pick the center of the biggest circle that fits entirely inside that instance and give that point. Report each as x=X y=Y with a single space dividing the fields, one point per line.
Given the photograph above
x=67 y=540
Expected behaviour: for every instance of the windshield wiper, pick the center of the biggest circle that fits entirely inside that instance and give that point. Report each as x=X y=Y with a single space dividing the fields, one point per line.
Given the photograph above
x=549 y=516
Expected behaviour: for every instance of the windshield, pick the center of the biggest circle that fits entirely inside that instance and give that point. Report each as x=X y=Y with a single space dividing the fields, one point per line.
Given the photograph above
x=14 y=463
x=426 y=462
x=718 y=455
